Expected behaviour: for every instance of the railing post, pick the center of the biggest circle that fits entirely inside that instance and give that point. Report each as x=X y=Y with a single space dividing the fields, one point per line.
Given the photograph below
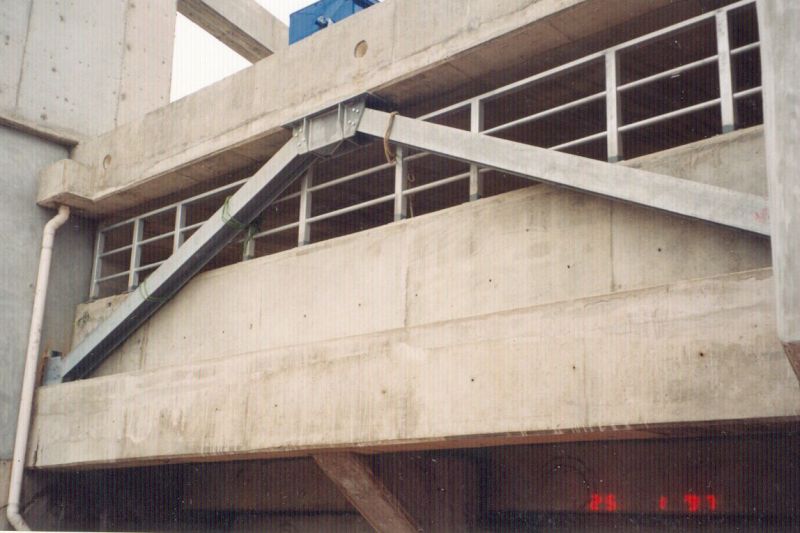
x=728 y=108
x=249 y=245
x=400 y=185
x=136 y=256
x=613 y=140
x=475 y=126
x=97 y=265
x=180 y=222
x=304 y=228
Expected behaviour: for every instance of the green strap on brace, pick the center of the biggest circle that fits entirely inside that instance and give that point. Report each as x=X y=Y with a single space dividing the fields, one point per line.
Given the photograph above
x=227 y=219
x=144 y=294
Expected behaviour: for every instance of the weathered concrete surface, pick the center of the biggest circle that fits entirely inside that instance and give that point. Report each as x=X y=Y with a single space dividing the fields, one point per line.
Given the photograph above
x=779 y=24
x=5 y=476
x=696 y=351
x=244 y=26
x=51 y=79
x=574 y=245
x=733 y=161
x=21 y=224
x=238 y=120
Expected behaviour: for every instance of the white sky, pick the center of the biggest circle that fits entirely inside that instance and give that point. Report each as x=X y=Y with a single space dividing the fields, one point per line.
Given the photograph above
x=199 y=59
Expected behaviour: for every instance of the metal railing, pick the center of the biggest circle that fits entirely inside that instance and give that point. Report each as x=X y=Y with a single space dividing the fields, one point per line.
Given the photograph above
x=608 y=60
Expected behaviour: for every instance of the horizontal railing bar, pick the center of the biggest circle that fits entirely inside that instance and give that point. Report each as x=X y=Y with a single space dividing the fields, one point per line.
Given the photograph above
x=414 y=157
x=525 y=83
x=671 y=114
x=141 y=217
x=212 y=192
x=521 y=84
x=113 y=276
x=105 y=229
x=175 y=205
x=437 y=183
x=668 y=73
x=545 y=113
x=287 y=198
x=116 y=250
x=582 y=140
x=350 y=209
x=149 y=266
x=745 y=48
x=679 y=26
x=747 y=92
x=275 y=230
x=362 y=173
x=156 y=238
x=193 y=226
x=448 y=109
x=350 y=177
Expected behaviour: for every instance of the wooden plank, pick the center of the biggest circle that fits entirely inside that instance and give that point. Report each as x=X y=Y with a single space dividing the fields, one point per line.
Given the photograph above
x=367 y=494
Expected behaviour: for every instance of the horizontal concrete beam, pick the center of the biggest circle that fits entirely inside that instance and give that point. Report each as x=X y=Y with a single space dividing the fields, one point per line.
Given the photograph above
x=416 y=50
x=696 y=352
x=243 y=25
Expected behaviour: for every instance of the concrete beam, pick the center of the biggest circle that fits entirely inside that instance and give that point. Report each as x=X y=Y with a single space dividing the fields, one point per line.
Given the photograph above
x=238 y=121
x=700 y=352
x=779 y=26
x=355 y=480
x=244 y=26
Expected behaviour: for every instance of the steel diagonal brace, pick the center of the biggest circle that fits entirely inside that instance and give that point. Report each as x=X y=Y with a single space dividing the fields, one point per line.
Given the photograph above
x=674 y=195
x=314 y=136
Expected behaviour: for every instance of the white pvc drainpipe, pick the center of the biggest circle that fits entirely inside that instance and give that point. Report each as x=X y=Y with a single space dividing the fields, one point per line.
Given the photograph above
x=31 y=364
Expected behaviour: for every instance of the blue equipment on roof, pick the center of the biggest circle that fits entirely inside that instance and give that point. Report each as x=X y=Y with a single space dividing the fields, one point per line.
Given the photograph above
x=321 y=14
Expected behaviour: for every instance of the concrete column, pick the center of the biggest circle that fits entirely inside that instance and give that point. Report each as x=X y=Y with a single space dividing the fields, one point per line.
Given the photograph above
x=82 y=67
x=779 y=26
x=146 y=70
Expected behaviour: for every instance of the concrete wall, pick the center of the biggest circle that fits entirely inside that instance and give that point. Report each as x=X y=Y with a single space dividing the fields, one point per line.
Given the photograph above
x=84 y=67
x=70 y=68
x=21 y=225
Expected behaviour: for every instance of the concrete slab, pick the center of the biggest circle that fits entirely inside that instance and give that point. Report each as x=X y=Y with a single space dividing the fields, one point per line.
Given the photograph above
x=700 y=351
